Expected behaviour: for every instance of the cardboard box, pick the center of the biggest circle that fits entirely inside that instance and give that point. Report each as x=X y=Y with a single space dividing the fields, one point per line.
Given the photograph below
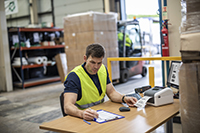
x=70 y=40
x=190 y=16
x=86 y=38
x=90 y=21
x=61 y=63
x=72 y=24
x=190 y=42
x=189 y=88
x=70 y=68
x=75 y=57
x=93 y=21
x=83 y=29
x=193 y=6
x=112 y=21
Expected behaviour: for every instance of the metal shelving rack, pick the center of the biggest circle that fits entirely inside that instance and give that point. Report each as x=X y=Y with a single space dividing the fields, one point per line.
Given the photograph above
x=34 y=81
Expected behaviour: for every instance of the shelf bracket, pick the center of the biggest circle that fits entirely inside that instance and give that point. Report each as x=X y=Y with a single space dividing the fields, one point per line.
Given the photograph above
x=17 y=74
x=14 y=53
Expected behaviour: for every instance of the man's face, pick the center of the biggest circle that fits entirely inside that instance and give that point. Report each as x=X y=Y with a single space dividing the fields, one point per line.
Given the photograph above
x=93 y=64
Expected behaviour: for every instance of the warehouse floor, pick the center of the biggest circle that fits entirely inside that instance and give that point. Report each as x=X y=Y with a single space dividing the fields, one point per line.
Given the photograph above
x=22 y=111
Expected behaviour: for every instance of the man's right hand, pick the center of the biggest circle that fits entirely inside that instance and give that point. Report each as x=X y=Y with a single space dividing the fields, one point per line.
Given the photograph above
x=90 y=114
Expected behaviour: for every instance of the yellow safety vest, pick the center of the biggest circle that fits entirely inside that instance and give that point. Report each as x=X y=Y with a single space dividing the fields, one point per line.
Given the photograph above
x=90 y=93
x=128 y=40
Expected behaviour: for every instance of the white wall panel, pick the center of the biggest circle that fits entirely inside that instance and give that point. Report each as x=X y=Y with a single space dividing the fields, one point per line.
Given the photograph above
x=19 y=22
x=174 y=16
x=75 y=6
x=60 y=22
x=44 y=5
x=23 y=9
x=79 y=7
x=58 y=3
x=46 y=18
x=61 y=8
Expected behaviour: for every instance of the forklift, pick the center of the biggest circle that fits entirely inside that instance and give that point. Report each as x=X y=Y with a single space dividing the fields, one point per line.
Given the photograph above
x=130 y=45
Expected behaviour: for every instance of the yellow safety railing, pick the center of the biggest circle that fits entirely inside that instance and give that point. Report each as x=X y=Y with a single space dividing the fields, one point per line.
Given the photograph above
x=151 y=69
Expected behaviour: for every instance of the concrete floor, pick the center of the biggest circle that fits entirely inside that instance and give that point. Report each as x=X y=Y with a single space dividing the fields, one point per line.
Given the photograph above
x=22 y=111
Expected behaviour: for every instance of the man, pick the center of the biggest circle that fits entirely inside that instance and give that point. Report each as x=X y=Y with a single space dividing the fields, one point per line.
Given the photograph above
x=128 y=44
x=87 y=84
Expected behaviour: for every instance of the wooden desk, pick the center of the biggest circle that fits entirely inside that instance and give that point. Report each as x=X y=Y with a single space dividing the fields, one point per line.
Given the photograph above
x=135 y=121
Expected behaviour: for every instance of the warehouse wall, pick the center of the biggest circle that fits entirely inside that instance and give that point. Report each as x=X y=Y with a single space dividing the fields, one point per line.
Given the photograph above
x=45 y=6
x=174 y=16
x=65 y=7
x=61 y=8
x=23 y=10
x=5 y=69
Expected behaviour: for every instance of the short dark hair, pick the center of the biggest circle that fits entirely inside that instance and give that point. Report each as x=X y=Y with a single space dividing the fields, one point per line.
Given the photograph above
x=95 y=50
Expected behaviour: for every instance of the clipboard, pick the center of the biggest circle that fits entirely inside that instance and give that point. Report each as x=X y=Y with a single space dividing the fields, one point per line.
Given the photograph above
x=106 y=116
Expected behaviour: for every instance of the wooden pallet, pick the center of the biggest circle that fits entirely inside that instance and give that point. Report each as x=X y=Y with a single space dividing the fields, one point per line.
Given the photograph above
x=190 y=56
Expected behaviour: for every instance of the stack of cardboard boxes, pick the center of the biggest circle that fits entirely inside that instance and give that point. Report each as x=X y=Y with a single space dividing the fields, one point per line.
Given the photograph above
x=189 y=74
x=83 y=29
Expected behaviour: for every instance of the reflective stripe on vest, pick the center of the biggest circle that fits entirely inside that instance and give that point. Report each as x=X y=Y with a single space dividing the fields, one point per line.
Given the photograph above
x=128 y=45
x=90 y=93
x=89 y=105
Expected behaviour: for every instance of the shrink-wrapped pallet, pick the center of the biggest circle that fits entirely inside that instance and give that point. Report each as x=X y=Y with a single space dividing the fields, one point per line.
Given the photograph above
x=189 y=86
x=83 y=29
x=190 y=30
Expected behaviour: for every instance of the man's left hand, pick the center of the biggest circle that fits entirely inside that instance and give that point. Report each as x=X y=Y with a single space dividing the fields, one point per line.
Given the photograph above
x=130 y=101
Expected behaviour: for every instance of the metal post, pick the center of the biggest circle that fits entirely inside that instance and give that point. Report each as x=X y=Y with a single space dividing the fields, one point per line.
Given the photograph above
x=160 y=21
x=33 y=11
x=151 y=76
x=20 y=54
x=169 y=127
x=124 y=47
x=52 y=10
x=122 y=9
x=109 y=69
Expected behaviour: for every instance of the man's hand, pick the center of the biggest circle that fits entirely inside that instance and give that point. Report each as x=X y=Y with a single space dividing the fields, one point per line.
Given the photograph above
x=90 y=114
x=130 y=101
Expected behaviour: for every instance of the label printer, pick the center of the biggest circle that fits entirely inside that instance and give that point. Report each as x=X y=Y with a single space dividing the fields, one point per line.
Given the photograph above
x=159 y=96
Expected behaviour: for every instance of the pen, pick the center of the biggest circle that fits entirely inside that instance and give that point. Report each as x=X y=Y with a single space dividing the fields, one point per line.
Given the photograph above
x=110 y=119
x=94 y=118
x=87 y=122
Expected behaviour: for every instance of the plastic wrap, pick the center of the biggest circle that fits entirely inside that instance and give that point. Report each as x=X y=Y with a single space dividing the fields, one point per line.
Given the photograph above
x=44 y=59
x=90 y=21
x=35 y=60
x=189 y=87
x=86 y=28
x=17 y=62
x=190 y=16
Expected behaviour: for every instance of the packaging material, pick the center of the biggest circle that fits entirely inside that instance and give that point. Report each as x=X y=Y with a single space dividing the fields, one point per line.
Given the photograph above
x=112 y=20
x=17 y=62
x=83 y=29
x=90 y=21
x=35 y=60
x=190 y=42
x=93 y=22
x=189 y=87
x=190 y=16
x=61 y=63
x=76 y=50
x=59 y=40
x=44 y=59
x=71 y=24
x=190 y=31
x=48 y=43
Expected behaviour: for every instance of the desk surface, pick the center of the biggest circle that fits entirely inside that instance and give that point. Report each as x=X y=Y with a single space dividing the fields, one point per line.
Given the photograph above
x=145 y=120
